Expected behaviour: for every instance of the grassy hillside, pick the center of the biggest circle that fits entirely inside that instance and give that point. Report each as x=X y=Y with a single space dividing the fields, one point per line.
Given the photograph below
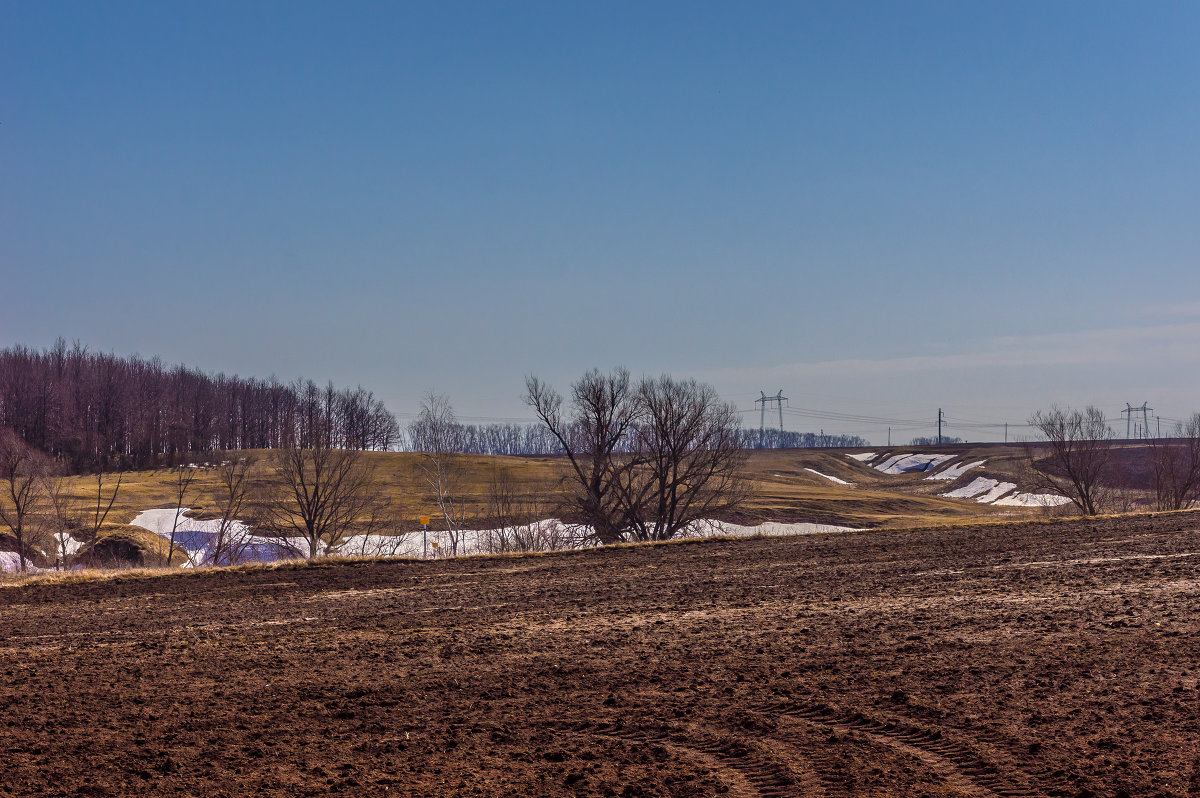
x=789 y=485
x=784 y=489
x=788 y=491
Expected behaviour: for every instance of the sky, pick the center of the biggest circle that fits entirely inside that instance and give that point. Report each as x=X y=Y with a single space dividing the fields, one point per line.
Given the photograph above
x=880 y=209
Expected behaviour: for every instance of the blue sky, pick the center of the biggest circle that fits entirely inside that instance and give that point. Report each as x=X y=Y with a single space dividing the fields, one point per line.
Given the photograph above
x=880 y=208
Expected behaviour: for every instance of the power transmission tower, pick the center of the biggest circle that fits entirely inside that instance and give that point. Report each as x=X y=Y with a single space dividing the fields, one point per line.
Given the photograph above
x=779 y=399
x=1145 y=426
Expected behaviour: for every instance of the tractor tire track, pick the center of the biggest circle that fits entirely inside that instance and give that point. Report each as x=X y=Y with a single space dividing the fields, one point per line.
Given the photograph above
x=755 y=773
x=956 y=762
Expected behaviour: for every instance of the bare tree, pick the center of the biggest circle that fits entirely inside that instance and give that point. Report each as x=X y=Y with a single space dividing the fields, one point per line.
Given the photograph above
x=688 y=459
x=1176 y=466
x=184 y=475
x=647 y=461
x=1080 y=445
x=92 y=517
x=320 y=492
x=595 y=440
x=518 y=520
x=435 y=435
x=61 y=517
x=21 y=469
x=380 y=534
x=232 y=537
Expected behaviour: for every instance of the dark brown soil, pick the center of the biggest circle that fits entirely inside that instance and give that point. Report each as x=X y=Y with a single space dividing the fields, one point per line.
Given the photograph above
x=1035 y=659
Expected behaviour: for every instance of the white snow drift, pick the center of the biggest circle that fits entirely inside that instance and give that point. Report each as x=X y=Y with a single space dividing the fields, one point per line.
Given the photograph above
x=996 y=492
x=828 y=477
x=197 y=538
x=1033 y=500
x=906 y=463
x=992 y=491
x=955 y=471
x=977 y=486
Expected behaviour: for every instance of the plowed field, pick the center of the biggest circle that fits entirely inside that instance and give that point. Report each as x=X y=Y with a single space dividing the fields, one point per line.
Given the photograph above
x=1023 y=660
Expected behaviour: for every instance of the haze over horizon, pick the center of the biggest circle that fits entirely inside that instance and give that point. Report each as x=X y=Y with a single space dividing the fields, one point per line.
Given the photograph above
x=879 y=209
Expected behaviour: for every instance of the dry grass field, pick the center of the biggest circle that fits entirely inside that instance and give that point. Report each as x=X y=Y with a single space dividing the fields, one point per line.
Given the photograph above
x=784 y=490
x=1022 y=659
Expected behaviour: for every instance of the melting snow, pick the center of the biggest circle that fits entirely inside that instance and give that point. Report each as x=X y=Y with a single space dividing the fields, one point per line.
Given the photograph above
x=978 y=485
x=995 y=493
x=771 y=528
x=955 y=471
x=64 y=543
x=1033 y=500
x=831 y=479
x=865 y=457
x=197 y=538
x=990 y=491
x=904 y=463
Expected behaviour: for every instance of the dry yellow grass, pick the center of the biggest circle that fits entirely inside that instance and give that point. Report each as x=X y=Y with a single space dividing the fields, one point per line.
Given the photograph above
x=786 y=491
x=783 y=490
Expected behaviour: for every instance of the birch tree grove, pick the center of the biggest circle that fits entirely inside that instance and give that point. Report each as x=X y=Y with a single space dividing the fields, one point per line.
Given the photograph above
x=93 y=411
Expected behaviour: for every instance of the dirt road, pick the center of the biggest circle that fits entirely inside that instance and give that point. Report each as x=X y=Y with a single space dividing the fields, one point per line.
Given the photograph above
x=1036 y=659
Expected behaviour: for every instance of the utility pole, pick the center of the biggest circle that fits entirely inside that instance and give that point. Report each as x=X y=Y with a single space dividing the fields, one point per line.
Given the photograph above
x=939 y=426
x=1006 y=432
x=889 y=437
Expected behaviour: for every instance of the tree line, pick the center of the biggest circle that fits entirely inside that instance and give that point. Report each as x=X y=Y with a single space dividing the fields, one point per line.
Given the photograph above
x=92 y=411
x=787 y=439
x=536 y=439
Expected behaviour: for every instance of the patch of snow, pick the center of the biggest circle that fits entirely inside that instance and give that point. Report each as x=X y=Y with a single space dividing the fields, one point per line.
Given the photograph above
x=865 y=457
x=955 y=471
x=10 y=562
x=978 y=485
x=1033 y=500
x=831 y=479
x=770 y=528
x=64 y=543
x=995 y=493
x=906 y=463
x=199 y=539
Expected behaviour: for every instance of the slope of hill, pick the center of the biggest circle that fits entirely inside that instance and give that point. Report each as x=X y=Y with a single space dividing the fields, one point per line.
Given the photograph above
x=886 y=489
